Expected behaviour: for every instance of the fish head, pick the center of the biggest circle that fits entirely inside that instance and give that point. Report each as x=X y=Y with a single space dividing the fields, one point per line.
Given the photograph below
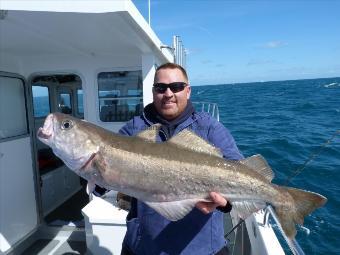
x=69 y=139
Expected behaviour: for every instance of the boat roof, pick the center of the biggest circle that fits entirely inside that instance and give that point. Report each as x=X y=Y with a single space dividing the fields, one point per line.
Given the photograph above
x=87 y=28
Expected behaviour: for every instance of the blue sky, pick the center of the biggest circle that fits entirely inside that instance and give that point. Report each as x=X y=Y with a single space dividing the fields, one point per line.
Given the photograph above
x=248 y=41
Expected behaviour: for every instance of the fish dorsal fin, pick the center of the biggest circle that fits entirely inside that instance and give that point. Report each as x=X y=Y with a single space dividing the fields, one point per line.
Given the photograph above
x=260 y=165
x=190 y=141
x=150 y=133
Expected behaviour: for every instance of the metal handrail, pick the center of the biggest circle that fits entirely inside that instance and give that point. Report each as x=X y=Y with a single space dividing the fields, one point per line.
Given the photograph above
x=211 y=108
x=292 y=244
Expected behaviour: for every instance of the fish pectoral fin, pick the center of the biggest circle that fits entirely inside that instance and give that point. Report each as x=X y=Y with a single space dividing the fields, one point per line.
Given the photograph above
x=259 y=165
x=90 y=187
x=244 y=209
x=190 y=141
x=174 y=210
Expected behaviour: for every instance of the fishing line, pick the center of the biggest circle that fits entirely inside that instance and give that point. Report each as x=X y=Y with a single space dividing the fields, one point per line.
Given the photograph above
x=312 y=157
x=236 y=226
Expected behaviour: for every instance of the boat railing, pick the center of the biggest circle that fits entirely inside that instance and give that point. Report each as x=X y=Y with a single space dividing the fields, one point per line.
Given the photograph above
x=179 y=51
x=211 y=108
x=292 y=244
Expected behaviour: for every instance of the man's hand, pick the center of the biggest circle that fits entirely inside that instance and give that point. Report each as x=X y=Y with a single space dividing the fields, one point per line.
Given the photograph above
x=216 y=201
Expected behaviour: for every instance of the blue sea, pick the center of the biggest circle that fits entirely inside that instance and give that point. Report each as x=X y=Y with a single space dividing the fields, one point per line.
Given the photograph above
x=288 y=122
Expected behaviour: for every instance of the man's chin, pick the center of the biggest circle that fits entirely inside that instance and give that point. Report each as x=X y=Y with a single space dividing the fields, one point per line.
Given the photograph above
x=169 y=107
x=169 y=114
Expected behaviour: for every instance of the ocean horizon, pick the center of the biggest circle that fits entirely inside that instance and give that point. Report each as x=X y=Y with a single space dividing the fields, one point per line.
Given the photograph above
x=274 y=81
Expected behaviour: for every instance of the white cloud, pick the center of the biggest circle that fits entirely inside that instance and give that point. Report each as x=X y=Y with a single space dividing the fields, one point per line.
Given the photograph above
x=274 y=44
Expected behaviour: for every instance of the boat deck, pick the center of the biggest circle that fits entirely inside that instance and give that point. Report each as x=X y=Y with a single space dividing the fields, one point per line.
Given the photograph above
x=63 y=231
x=57 y=246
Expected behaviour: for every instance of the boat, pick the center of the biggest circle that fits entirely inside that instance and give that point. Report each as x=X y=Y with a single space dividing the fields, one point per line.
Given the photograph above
x=94 y=60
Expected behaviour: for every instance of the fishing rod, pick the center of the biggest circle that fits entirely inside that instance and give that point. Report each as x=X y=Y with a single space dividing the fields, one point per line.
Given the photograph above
x=312 y=157
x=236 y=226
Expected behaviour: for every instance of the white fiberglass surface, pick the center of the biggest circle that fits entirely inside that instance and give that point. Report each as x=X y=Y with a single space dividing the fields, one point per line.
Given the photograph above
x=18 y=211
x=17 y=194
x=12 y=108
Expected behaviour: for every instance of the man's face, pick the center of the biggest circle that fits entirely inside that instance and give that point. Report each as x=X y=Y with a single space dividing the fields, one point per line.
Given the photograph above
x=170 y=104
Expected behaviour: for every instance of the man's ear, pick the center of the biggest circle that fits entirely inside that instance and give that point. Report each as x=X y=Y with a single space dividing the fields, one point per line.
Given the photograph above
x=188 y=91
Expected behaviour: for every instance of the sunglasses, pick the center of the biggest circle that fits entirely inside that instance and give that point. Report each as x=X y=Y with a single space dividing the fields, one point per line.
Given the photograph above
x=174 y=87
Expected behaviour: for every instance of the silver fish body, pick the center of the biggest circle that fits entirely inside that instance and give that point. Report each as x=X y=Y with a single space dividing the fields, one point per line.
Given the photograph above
x=173 y=176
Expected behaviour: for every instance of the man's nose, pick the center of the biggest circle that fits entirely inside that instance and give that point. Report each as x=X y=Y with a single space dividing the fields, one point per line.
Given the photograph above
x=168 y=93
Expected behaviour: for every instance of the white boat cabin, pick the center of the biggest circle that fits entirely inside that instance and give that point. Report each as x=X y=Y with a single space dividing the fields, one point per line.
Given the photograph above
x=92 y=59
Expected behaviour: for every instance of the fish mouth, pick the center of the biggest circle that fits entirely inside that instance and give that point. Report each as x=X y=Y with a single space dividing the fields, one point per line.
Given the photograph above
x=42 y=134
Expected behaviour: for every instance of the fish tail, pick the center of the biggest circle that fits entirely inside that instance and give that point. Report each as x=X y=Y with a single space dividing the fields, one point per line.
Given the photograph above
x=304 y=202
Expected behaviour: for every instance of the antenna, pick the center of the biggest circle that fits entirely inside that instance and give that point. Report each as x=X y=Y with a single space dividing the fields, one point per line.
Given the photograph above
x=149 y=1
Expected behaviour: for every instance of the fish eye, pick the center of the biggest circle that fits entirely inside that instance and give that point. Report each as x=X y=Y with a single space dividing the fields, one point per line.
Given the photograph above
x=66 y=124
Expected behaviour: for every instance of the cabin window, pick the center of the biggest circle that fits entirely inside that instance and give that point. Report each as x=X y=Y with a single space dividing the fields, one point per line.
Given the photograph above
x=13 y=119
x=65 y=105
x=41 y=101
x=80 y=104
x=120 y=95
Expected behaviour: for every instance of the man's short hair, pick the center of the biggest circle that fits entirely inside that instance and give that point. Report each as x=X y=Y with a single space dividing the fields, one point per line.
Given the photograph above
x=172 y=66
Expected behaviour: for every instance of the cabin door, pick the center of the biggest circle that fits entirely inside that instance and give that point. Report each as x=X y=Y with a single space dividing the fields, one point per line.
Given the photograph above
x=55 y=93
x=18 y=206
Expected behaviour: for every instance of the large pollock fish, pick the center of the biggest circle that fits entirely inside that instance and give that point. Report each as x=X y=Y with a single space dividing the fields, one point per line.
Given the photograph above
x=171 y=177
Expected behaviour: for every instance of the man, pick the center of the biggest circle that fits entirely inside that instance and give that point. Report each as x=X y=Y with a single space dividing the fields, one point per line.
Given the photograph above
x=201 y=231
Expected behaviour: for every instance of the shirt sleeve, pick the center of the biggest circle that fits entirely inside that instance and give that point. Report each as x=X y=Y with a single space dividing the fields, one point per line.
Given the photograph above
x=133 y=127
x=128 y=128
x=221 y=138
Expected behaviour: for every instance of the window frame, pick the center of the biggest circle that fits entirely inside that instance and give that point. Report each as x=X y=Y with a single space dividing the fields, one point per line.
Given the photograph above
x=136 y=69
x=26 y=104
x=78 y=113
x=71 y=99
x=49 y=101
